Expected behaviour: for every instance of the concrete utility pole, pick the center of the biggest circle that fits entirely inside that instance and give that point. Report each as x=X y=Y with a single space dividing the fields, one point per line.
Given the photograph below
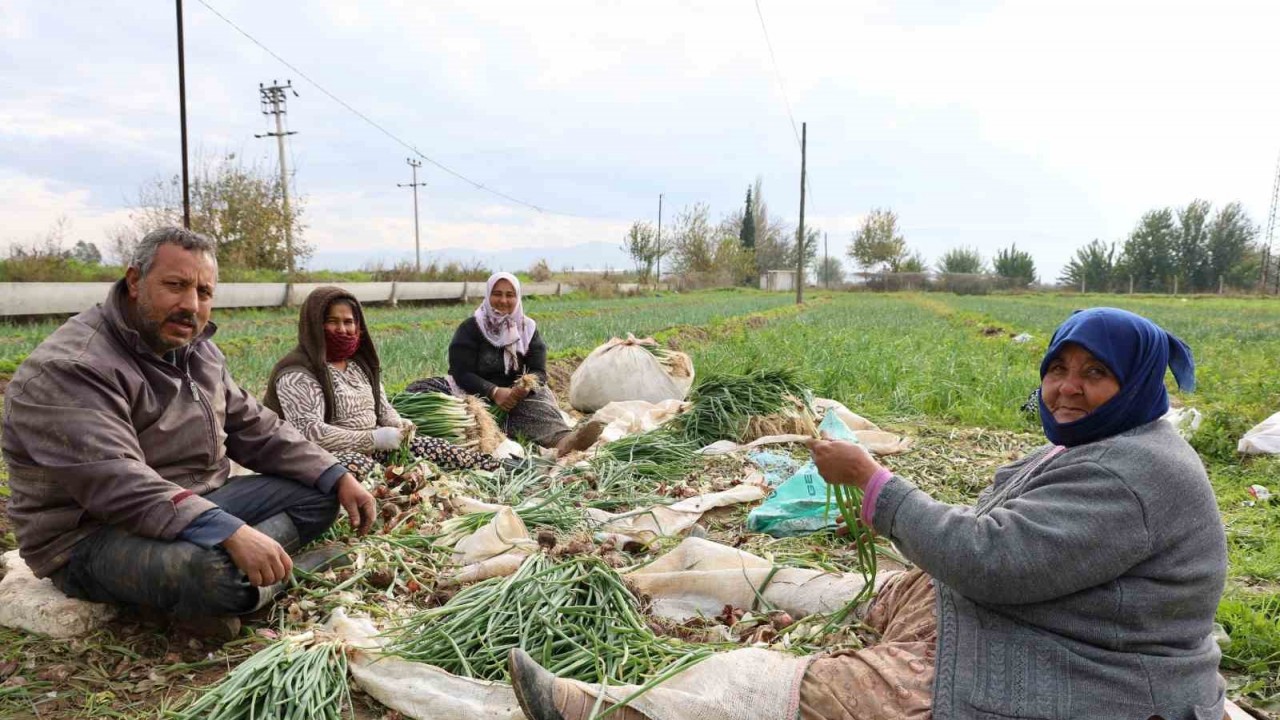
x=660 y=248
x=826 y=270
x=1271 y=228
x=804 y=141
x=273 y=103
x=182 y=120
x=417 y=246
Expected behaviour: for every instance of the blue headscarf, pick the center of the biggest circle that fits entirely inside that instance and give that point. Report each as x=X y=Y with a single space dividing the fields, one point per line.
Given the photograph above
x=1137 y=351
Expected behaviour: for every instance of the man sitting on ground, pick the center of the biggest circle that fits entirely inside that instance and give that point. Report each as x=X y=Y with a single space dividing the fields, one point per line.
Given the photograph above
x=118 y=433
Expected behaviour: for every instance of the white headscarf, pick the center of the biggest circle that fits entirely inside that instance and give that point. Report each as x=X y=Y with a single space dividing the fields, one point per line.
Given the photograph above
x=511 y=333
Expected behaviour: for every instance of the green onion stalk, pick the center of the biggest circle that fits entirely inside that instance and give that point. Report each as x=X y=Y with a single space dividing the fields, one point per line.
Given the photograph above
x=301 y=676
x=437 y=415
x=723 y=405
x=846 y=500
x=657 y=455
x=576 y=618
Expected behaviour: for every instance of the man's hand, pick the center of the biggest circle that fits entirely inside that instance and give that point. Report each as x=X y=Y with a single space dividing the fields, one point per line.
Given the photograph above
x=842 y=463
x=359 y=504
x=508 y=398
x=258 y=556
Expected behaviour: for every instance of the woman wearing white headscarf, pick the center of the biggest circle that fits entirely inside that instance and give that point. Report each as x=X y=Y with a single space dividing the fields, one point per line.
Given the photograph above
x=490 y=351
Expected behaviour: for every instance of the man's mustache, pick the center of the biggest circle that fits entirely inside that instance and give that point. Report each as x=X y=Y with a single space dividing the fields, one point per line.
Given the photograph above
x=182 y=318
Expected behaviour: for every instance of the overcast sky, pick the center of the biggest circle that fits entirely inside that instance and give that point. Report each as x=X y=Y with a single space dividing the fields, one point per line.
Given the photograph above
x=981 y=123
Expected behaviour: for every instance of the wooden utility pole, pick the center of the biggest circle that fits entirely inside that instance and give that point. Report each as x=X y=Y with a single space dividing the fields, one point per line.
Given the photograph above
x=417 y=245
x=182 y=120
x=804 y=140
x=661 y=250
x=273 y=103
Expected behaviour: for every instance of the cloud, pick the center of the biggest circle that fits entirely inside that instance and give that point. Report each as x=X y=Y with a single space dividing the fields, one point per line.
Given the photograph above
x=35 y=206
x=983 y=123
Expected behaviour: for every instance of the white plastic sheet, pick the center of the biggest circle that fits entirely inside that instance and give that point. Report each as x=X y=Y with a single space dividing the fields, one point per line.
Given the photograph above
x=700 y=577
x=670 y=520
x=495 y=550
x=750 y=684
x=632 y=417
x=1263 y=439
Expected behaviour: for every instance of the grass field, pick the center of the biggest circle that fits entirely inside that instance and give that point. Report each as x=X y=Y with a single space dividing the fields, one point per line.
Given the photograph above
x=940 y=368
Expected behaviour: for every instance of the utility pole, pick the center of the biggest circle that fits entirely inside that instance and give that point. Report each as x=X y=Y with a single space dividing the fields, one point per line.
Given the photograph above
x=826 y=270
x=661 y=249
x=417 y=246
x=1271 y=227
x=182 y=120
x=273 y=103
x=804 y=141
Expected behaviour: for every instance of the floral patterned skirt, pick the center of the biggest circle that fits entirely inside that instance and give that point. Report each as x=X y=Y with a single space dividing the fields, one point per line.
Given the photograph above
x=442 y=453
x=891 y=680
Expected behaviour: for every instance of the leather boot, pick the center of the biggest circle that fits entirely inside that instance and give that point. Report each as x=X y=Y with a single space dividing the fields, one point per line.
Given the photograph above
x=280 y=527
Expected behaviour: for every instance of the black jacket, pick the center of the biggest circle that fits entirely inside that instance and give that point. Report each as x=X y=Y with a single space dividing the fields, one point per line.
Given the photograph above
x=476 y=364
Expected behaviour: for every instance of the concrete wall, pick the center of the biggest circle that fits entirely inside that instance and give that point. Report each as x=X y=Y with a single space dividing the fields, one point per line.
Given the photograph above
x=21 y=299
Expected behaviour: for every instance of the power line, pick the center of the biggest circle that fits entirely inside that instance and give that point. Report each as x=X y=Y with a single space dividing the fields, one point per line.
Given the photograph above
x=777 y=75
x=477 y=185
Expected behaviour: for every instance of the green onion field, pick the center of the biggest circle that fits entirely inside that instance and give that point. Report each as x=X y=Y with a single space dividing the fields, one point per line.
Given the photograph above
x=939 y=368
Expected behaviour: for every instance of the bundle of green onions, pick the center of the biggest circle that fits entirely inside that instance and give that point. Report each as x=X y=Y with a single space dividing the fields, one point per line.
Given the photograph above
x=576 y=618
x=724 y=406
x=437 y=415
x=301 y=676
x=461 y=421
x=657 y=455
x=847 y=501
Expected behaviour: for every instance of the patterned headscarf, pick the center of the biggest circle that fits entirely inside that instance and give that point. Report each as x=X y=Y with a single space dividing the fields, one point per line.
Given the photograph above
x=1138 y=352
x=511 y=333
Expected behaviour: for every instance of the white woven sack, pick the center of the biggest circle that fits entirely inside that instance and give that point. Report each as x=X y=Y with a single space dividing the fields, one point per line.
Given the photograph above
x=622 y=370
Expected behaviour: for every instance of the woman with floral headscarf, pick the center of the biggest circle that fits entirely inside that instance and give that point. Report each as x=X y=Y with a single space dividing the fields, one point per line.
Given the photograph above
x=1083 y=583
x=491 y=351
x=330 y=388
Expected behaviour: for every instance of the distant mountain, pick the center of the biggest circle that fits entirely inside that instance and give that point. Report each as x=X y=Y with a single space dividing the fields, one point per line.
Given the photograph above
x=588 y=256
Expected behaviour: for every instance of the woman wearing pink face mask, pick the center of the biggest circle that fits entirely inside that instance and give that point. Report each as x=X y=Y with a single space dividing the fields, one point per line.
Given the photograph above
x=330 y=388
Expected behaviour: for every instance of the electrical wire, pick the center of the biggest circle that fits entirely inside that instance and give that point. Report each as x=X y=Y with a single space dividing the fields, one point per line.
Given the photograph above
x=777 y=74
x=370 y=121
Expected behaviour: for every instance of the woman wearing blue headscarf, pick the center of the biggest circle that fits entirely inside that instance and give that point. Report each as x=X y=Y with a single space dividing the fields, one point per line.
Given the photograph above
x=1083 y=583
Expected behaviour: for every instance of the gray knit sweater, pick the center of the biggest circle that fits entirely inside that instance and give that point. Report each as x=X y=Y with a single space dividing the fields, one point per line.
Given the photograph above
x=1081 y=586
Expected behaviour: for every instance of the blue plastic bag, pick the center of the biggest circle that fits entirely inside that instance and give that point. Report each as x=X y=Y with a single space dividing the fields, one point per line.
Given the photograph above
x=776 y=468
x=799 y=505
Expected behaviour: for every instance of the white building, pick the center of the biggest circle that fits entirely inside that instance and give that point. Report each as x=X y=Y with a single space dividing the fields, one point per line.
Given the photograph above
x=778 y=280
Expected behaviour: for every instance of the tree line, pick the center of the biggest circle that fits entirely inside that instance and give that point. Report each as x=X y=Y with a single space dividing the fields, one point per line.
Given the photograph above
x=1196 y=248
x=1191 y=249
x=735 y=250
